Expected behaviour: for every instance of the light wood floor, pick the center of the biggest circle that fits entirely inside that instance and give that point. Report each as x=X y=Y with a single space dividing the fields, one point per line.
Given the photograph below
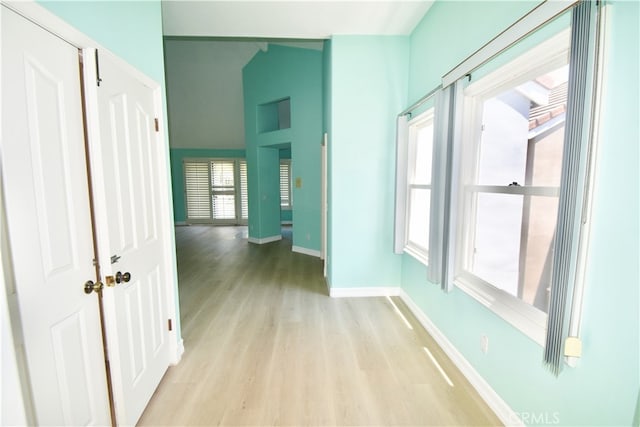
x=265 y=345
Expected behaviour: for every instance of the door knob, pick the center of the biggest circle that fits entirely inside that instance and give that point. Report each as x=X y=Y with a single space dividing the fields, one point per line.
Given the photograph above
x=89 y=286
x=123 y=277
x=120 y=277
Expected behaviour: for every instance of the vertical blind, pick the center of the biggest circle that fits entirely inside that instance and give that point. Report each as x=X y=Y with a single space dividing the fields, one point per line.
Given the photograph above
x=574 y=163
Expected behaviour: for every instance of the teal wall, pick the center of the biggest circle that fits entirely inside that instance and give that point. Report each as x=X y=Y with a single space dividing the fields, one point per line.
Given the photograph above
x=177 y=173
x=603 y=389
x=276 y=74
x=368 y=89
x=130 y=29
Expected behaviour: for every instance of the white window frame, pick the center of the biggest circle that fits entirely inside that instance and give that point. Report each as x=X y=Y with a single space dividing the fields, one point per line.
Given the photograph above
x=547 y=56
x=427 y=118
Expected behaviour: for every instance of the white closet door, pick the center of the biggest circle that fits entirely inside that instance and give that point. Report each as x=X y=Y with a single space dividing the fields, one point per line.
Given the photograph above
x=48 y=216
x=136 y=309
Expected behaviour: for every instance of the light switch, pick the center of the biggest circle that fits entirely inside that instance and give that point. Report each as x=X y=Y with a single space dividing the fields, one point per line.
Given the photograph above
x=298 y=182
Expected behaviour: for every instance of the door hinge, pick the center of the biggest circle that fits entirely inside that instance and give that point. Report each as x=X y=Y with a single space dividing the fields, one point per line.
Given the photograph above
x=157 y=124
x=170 y=325
x=98 y=78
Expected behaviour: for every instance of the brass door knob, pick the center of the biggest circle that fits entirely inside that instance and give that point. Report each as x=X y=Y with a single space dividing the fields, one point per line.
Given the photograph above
x=89 y=286
x=123 y=277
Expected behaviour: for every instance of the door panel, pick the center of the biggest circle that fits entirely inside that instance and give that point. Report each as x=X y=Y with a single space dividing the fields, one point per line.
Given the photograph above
x=137 y=332
x=122 y=236
x=48 y=217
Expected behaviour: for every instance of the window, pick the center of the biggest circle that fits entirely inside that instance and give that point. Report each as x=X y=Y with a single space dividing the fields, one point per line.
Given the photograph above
x=223 y=191
x=420 y=149
x=215 y=191
x=512 y=151
x=285 y=184
x=513 y=185
x=524 y=147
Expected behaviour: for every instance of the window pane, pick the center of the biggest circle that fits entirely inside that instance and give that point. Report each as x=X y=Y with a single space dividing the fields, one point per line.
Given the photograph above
x=513 y=244
x=523 y=132
x=222 y=176
x=224 y=206
x=423 y=153
x=419 y=202
x=223 y=189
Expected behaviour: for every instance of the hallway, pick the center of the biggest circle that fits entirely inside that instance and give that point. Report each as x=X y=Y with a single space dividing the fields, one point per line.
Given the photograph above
x=265 y=345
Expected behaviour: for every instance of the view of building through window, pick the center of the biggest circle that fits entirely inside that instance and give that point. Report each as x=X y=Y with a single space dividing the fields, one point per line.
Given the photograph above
x=515 y=199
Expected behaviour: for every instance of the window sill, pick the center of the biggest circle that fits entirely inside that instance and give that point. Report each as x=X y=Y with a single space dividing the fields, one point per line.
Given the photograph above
x=418 y=254
x=524 y=317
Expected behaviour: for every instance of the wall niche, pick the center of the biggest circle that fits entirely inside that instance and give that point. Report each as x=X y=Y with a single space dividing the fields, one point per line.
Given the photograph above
x=275 y=115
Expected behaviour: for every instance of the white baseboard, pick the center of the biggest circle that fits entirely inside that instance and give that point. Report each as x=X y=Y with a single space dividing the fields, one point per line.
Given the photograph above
x=306 y=251
x=286 y=222
x=363 y=292
x=264 y=240
x=488 y=394
x=179 y=352
x=180 y=223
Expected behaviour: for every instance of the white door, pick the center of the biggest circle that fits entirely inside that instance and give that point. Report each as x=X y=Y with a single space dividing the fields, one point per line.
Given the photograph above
x=136 y=310
x=49 y=223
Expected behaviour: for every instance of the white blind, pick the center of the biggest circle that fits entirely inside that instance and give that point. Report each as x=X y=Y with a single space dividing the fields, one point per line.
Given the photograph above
x=223 y=189
x=198 y=192
x=285 y=183
x=244 y=193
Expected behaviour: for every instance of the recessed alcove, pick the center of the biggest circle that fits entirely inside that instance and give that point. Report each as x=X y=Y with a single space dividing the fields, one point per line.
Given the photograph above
x=274 y=115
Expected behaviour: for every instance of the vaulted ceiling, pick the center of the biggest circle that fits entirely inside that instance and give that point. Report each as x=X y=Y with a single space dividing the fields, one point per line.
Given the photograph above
x=208 y=42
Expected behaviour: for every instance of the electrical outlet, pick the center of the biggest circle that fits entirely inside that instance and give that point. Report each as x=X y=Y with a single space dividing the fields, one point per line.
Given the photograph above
x=484 y=344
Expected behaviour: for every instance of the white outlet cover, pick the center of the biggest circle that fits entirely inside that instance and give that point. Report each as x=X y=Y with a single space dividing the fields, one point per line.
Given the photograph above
x=484 y=344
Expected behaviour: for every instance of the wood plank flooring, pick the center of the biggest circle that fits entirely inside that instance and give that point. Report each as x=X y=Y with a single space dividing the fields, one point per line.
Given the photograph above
x=266 y=346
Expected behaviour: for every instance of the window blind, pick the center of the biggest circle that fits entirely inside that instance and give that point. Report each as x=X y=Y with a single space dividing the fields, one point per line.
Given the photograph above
x=285 y=183
x=575 y=159
x=244 y=192
x=223 y=189
x=197 y=190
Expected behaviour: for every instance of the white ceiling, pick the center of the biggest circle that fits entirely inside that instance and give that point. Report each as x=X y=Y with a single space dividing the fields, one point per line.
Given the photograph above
x=299 y=19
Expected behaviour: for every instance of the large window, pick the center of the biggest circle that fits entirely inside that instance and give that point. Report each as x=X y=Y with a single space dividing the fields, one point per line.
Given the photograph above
x=513 y=148
x=216 y=191
x=420 y=150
